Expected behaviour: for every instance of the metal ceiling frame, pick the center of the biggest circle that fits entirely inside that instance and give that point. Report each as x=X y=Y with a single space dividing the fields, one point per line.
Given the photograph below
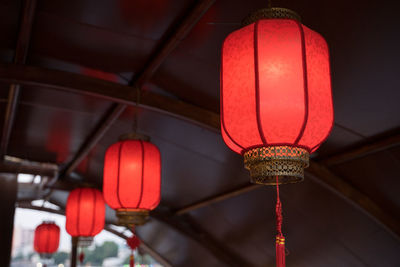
x=21 y=53
x=17 y=74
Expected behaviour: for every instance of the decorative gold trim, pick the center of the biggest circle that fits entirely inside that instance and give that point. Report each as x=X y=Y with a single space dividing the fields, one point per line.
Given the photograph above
x=270 y=13
x=85 y=241
x=130 y=217
x=286 y=162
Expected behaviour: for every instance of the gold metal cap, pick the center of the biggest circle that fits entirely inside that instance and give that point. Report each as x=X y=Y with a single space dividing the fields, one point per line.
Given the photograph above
x=131 y=217
x=85 y=241
x=270 y=13
x=286 y=162
x=134 y=136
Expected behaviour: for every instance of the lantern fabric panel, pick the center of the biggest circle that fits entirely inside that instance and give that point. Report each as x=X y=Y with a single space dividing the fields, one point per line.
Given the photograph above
x=111 y=176
x=238 y=98
x=320 y=104
x=85 y=212
x=279 y=80
x=132 y=172
x=150 y=196
x=47 y=238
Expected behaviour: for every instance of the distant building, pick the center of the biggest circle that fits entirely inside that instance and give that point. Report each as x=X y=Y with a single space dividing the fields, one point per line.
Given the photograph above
x=22 y=241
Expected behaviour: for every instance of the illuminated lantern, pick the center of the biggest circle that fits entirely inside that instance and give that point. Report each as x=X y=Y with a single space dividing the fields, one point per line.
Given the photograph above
x=47 y=238
x=85 y=214
x=132 y=179
x=276 y=102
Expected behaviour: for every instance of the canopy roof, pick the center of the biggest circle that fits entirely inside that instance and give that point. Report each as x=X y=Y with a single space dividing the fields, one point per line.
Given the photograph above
x=77 y=66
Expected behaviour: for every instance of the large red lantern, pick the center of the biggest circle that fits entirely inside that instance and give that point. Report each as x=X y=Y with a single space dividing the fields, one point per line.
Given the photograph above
x=132 y=179
x=47 y=238
x=85 y=214
x=276 y=102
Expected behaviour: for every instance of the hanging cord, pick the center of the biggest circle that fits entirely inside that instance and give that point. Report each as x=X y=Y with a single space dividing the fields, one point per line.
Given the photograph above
x=135 y=116
x=280 y=239
x=269 y=3
x=81 y=256
x=133 y=243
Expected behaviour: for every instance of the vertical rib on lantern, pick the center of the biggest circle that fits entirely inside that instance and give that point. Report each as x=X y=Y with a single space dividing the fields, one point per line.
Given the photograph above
x=47 y=238
x=132 y=177
x=85 y=212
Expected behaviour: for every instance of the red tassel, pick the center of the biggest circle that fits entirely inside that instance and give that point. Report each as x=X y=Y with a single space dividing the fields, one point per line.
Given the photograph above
x=131 y=260
x=81 y=257
x=280 y=251
x=280 y=239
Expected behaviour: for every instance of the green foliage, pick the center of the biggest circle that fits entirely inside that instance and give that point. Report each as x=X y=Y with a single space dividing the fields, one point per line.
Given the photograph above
x=144 y=259
x=19 y=256
x=60 y=257
x=96 y=256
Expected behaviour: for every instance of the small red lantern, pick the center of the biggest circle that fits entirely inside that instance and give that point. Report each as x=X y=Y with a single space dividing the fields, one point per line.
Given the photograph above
x=132 y=179
x=276 y=102
x=47 y=237
x=85 y=214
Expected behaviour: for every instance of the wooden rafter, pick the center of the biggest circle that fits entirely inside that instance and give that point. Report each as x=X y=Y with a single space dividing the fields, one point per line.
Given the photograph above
x=363 y=150
x=21 y=52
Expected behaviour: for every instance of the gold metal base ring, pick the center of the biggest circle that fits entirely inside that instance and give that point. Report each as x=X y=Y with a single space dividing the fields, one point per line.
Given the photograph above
x=85 y=241
x=130 y=217
x=286 y=162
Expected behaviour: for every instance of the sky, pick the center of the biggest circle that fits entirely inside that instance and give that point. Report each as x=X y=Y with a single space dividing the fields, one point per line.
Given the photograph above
x=30 y=219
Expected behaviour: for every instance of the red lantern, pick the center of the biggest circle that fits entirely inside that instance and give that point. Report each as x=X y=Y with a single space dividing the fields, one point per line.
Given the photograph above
x=47 y=237
x=85 y=214
x=276 y=103
x=131 y=183
x=276 y=100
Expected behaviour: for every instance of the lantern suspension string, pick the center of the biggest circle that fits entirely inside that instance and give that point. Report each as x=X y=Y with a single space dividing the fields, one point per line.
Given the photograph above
x=269 y=3
x=135 y=116
x=278 y=210
x=280 y=239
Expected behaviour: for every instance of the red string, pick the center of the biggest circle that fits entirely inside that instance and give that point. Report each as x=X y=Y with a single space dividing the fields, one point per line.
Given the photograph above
x=280 y=239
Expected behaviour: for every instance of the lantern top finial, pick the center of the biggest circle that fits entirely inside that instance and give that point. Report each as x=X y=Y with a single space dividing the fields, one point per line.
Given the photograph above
x=134 y=136
x=270 y=13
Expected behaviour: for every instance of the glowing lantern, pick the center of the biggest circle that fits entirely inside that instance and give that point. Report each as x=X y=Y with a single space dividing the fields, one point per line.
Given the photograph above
x=276 y=103
x=85 y=214
x=132 y=178
x=47 y=237
x=276 y=100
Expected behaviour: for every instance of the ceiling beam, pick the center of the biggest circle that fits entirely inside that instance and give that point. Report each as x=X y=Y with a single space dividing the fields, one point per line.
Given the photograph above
x=115 y=92
x=190 y=228
x=143 y=246
x=362 y=150
x=21 y=52
x=351 y=194
x=164 y=49
x=217 y=198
